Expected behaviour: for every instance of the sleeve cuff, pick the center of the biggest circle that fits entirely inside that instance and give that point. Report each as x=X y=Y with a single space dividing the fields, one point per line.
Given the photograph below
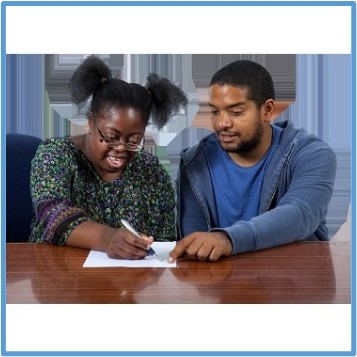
x=242 y=237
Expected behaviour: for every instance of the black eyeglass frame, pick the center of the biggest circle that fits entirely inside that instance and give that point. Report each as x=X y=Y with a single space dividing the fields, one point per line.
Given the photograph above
x=115 y=143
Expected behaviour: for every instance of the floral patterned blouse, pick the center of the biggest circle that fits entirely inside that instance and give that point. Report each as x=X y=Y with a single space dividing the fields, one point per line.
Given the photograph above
x=67 y=191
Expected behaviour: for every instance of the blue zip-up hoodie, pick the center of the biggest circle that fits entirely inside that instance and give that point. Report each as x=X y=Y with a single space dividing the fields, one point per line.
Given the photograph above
x=294 y=198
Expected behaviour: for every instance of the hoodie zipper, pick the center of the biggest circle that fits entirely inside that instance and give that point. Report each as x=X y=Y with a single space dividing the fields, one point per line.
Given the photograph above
x=282 y=170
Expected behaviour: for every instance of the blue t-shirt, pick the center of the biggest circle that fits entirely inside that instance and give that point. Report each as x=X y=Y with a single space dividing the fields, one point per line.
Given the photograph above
x=237 y=189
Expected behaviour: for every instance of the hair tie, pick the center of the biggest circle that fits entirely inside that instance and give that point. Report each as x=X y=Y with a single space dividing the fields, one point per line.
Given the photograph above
x=103 y=80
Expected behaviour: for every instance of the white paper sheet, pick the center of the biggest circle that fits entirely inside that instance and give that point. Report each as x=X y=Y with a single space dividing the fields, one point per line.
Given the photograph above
x=98 y=259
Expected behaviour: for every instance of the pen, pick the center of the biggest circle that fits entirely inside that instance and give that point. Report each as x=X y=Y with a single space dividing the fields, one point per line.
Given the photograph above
x=128 y=226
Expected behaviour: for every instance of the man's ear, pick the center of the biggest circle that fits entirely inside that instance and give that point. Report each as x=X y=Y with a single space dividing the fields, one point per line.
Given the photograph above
x=268 y=109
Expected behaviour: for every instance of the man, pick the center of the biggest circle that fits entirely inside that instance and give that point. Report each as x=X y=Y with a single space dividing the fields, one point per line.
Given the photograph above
x=251 y=184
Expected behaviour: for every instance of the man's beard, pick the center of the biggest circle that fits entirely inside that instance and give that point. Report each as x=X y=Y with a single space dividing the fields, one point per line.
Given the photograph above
x=247 y=145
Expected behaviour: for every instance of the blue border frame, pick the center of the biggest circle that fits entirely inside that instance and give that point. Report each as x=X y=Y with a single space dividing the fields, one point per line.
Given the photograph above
x=179 y=3
x=6 y=4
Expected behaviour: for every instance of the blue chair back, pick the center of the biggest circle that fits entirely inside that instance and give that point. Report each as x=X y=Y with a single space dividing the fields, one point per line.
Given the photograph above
x=20 y=149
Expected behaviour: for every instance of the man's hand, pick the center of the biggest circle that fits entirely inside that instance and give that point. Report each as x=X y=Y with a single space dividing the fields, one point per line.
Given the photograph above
x=202 y=246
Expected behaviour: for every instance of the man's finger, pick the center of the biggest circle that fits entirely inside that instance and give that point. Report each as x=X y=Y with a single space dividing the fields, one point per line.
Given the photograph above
x=180 y=249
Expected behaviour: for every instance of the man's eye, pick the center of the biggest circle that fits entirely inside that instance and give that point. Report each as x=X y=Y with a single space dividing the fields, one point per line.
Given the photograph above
x=236 y=114
x=214 y=112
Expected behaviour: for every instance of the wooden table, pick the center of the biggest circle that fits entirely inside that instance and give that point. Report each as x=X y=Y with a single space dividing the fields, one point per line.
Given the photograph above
x=304 y=272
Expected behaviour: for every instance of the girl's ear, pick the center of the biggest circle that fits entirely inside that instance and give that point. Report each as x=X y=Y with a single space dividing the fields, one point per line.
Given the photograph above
x=90 y=120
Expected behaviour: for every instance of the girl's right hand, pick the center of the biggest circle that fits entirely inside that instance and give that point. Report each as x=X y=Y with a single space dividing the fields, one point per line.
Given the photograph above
x=122 y=244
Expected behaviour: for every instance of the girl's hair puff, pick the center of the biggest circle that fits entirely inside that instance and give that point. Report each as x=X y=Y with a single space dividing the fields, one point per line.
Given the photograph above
x=167 y=99
x=87 y=78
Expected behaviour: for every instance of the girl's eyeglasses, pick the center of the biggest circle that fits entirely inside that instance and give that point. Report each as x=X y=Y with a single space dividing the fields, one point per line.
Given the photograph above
x=116 y=143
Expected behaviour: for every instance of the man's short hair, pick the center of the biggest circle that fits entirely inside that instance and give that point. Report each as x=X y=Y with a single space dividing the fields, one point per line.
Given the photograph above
x=248 y=74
